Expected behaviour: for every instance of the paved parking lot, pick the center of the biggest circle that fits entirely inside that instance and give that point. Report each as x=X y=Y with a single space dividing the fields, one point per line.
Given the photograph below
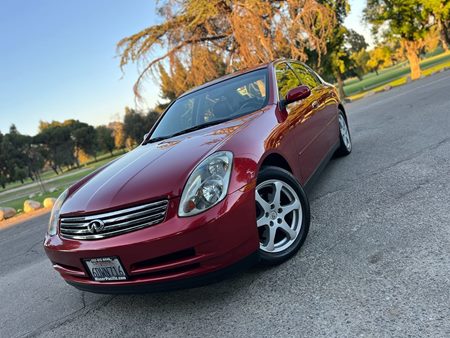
x=376 y=262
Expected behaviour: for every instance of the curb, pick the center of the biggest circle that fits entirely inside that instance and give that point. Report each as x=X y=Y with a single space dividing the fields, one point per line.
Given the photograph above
x=23 y=217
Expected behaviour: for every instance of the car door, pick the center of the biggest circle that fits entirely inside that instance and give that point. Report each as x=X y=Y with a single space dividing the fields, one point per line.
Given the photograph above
x=316 y=142
x=293 y=128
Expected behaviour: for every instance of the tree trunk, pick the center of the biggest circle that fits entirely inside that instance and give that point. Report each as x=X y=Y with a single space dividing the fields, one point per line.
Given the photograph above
x=412 y=53
x=442 y=35
x=55 y=169
x=340 y=85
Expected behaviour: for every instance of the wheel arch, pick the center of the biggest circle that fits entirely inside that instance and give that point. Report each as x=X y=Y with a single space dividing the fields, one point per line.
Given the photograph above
x=276 y=160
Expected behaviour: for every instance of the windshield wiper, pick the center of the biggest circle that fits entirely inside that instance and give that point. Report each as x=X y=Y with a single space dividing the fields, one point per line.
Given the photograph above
x=188 y=130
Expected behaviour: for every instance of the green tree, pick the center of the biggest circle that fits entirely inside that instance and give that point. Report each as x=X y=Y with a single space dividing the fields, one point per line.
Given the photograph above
x=359 y=59
x=355 y=41
x=406 y=20
x=134 y=127
x=57 y=144
x=337 y=60
x=355 y=46
x=84 y=137
x=379 y=58
x=18 y=157
x=137 y=124
x=440 y=12
x=105 y=139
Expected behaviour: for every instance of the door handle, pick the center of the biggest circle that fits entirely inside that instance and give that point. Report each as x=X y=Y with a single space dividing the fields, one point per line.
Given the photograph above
x=315 y=104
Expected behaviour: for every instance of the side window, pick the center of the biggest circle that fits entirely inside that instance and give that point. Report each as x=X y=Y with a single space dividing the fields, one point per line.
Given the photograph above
x=286 y=79
x=307 y=77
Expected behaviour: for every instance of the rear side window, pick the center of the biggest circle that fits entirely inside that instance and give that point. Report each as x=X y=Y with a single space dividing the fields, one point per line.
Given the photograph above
x=307 y=77
x=286 y=79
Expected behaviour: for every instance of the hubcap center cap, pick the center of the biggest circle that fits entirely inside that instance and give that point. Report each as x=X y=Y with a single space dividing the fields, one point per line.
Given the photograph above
x=273 y=215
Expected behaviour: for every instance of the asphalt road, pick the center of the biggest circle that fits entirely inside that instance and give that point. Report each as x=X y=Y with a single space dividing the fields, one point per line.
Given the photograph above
x=376 y=262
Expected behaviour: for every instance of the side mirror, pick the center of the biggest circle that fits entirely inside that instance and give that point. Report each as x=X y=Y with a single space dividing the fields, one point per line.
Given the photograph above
x=297 y=94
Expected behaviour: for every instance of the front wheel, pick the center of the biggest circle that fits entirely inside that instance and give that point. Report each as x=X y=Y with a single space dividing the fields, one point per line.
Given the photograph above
x=282 y=215
x=345 y=147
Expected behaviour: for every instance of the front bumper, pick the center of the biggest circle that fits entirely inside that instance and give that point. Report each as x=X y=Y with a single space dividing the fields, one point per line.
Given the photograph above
x=179 y=252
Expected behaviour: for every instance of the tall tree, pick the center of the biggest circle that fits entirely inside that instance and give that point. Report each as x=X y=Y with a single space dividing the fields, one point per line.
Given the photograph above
x=105 y=139
x=407 y=20
x=380 y=57
x=118 y=134
x=57 y=144
x=198 y=33
x=137 y=124
x=440 y=11
x=337 y=60
x=85 y=139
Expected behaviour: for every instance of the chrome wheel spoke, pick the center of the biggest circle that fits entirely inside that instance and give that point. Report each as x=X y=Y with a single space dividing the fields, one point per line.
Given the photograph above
x=262 y=221
x=262 y=203
x=290 y=207
x=271 y=240
x=288 y=230
x=277 y=193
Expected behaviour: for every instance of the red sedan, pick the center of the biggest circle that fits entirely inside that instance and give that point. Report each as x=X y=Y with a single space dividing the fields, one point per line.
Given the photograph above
x=217 y=185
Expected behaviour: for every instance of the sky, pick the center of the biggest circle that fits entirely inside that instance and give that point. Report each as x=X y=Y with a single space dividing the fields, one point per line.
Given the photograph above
x=58 y=59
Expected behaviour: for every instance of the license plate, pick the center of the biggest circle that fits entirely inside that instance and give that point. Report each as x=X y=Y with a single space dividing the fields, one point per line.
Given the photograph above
x=106 y=269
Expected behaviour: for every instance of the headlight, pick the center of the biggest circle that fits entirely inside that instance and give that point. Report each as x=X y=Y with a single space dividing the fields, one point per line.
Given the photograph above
x=54 y=217
x=207 y=185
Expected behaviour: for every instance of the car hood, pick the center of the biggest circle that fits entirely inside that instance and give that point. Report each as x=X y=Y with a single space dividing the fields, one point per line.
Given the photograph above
x=150 y=172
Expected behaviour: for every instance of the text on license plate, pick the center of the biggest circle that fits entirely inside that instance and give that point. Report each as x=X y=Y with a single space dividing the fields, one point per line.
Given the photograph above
x=106 y=269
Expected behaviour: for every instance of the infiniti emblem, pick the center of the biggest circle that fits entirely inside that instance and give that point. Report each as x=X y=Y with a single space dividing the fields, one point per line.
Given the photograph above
x=96 y=226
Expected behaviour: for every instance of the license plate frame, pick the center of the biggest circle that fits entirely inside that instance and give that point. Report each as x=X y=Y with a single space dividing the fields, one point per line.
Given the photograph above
x=105 y=269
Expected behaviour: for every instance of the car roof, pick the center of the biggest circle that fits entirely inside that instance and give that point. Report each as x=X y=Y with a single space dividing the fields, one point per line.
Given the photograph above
x=228 y=76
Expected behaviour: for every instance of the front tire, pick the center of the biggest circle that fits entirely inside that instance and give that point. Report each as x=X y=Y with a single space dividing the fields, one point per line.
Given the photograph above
x=282 y=214
x=345 y=147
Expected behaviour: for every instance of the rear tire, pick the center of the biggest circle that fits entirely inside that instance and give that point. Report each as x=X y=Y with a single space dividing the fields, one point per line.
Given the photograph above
x=282 y=213
x=345 y=147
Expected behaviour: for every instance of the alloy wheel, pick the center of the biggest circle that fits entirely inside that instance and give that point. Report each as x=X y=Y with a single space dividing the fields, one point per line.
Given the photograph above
x=344 y=132
x=279 y=215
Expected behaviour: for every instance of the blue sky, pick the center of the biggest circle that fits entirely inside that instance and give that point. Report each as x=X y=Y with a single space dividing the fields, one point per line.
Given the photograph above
x=58 y=59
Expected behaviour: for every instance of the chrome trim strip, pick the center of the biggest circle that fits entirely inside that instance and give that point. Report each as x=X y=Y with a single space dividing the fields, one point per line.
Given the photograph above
x=115 y=222
x=69 y=225
x=112 y=213
x=113 y=233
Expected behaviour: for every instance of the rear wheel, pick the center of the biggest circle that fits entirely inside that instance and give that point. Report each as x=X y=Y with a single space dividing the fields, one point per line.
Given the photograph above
x=345 y=147
x=282 y=214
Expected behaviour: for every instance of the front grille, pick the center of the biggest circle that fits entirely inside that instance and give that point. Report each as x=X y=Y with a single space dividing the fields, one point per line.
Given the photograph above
x=113 y=223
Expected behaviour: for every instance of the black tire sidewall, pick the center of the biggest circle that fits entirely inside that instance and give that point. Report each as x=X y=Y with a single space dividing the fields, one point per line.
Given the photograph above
x=270 y=173
x=342 y=150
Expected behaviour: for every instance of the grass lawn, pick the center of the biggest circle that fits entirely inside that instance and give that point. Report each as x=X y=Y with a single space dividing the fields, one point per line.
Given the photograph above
x=18 y=203
x=397 y=72
x=48 y=174
x=61 y=182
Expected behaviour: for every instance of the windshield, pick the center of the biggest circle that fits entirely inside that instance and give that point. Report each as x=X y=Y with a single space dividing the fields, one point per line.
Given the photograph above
x=222 y=101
